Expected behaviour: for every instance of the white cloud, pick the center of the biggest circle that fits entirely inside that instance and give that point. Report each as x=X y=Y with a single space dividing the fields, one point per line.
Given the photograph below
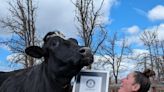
x=4 y=12
x=135 y=32
x=157 y=13
x=55 y=14
x=127 y=65
x=5 y=34
x=137 y=52
x=133 y=29
x=159 y=29
x=4 y=8
x=105 y=9
x=134 y=39
x=60 y=14
x=132 y=35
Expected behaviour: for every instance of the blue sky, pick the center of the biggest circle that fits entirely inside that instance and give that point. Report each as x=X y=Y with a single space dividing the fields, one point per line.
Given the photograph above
x=4 y=64
x=128 y=17
x=133 y=12
x=131 y=17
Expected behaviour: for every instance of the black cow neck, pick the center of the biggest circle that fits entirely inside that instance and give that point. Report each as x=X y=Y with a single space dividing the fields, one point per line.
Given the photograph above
x=61 y=82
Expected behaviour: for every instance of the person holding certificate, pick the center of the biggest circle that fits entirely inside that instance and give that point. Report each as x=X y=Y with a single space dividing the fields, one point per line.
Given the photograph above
x=137 y=81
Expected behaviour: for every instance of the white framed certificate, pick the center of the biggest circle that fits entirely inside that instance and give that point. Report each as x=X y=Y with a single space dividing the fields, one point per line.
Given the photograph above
x=91 y=81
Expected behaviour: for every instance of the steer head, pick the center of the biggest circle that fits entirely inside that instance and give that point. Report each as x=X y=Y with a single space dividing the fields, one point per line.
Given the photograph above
x=65 y=57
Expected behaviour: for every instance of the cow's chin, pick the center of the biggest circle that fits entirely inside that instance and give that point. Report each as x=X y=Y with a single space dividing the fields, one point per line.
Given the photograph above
x=87 y=61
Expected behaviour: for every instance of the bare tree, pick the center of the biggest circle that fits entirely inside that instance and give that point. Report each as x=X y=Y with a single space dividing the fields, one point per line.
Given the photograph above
x=88 y=25
x=155 y=48
x=114 y=54
x=162 y=60
x=148 y=38
x=21 y=24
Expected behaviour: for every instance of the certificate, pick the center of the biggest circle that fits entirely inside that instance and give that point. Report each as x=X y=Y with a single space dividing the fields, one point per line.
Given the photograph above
x=91 y=81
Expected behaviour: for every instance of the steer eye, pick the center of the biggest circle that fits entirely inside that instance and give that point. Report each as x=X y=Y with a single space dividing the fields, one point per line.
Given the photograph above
x=55 y=44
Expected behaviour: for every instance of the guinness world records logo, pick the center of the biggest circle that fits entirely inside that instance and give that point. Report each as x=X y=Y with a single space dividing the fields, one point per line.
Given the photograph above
x=90 y=83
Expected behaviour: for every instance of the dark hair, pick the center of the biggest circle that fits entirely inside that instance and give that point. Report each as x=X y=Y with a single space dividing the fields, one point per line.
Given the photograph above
x=142 y=78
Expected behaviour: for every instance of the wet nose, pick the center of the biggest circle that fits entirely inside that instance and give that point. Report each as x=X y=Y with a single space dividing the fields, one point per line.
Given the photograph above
x=85 y=51
x=87 y=56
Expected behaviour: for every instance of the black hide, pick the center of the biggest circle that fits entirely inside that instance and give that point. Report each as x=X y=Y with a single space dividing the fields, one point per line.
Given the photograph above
x=5 y=75
x=63 y=59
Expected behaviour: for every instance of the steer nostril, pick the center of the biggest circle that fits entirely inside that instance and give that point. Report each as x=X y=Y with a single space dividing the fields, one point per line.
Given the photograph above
x=82 y=50
x=85 y=51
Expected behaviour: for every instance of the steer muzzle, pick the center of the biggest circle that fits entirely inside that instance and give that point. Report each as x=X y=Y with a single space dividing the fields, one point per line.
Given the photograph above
x=87 y=55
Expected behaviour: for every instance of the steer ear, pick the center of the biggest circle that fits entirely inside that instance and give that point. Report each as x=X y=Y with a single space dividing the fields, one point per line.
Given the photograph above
x=34 y=51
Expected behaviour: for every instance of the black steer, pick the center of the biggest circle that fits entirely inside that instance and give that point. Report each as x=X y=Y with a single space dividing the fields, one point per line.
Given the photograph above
x=63 y=59
x=5 y=75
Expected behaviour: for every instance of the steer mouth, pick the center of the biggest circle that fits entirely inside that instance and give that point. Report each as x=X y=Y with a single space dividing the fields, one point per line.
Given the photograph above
x=87 y=61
